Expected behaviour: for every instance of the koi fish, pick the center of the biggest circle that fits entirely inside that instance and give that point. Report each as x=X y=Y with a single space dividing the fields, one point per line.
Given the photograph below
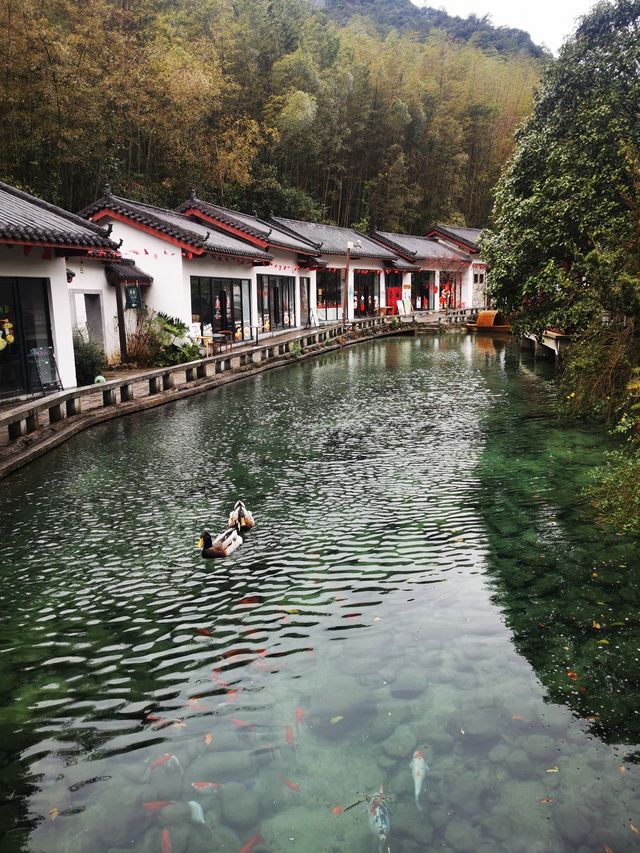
x=205 y=787
x=232 y=696
x=293 y=786
x=251 y=843
x=288 y=733
x=167 y=759
x=156 y=805
x=418 y=766
x=379 y=821
x=204 y=632
x=337 y=810
x=215 y=676
x=241 y=724
x=166 y=841
x=299 y=716
x=197 y=815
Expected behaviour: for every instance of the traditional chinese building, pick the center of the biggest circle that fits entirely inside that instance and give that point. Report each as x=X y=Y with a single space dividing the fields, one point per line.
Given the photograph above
x=36 y=241
x=466 y=240
x=442 y=278
x=368 y=268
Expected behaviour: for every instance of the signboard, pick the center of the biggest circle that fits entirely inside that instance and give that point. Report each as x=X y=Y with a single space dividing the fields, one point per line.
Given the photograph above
x=133 y=296
x=43 y=362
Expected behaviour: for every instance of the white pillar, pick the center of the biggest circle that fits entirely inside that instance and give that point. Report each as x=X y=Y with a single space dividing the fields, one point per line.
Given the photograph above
x=350 y=289
x=298 y=303
x=254 y=302
x=436 y=300
x=382 y=293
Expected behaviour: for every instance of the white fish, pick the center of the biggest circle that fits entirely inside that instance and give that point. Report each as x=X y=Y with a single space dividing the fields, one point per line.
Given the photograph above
x=418 y=767
x=197 y=815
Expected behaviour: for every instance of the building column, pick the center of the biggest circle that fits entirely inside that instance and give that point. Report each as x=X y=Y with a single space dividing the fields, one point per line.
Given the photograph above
x=253 y=295
x=436 y=300
x=300 y=321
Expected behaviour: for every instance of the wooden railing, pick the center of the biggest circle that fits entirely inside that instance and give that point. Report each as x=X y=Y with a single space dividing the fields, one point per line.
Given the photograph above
x=25 y=418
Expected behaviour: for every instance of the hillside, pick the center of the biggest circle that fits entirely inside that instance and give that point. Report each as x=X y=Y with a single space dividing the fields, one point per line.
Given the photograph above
x=261 y=104
x=404 y=16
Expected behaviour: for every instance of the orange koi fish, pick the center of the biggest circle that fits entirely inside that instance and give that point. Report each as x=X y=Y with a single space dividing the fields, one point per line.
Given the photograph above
x=204 y=632
x=167 y=759
x=232 y=696
x=156 y=805
x=215 y=676
x=299 y=716
x=241 y=724
x=293 y=786
x=288 y=733
x=205 y=787
x=166 y=841
x=251 y=843
x=337 y=810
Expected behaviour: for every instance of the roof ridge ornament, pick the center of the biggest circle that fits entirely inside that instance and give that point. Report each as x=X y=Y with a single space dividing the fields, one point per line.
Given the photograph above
x=107 y=190
x=192 y=194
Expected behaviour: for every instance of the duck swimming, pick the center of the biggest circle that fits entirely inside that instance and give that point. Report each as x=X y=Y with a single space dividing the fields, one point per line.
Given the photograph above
x=223 y=545
x=241 y=515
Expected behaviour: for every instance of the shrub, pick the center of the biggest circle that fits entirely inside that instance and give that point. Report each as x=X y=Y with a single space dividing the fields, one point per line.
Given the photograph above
x=295 y=349
x=615 y=494
x=89 y=357
x=160 y=341
x=596 y=372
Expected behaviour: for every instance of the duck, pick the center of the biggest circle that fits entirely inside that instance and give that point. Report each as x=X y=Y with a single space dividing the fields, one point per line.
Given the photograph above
x=241 y=515
x=222 y=546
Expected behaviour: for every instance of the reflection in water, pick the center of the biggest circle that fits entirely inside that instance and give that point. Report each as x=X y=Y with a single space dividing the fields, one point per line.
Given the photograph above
x=422 y=575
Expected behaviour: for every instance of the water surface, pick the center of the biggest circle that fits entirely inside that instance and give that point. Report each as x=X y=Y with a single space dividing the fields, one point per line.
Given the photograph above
x=424 y=574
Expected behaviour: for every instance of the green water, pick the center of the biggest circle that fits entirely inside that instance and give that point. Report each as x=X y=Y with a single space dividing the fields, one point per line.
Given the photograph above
x=424 y=574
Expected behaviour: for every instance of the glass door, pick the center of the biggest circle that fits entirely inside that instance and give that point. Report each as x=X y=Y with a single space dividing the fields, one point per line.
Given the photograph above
x=24 y=325
x=12 y=372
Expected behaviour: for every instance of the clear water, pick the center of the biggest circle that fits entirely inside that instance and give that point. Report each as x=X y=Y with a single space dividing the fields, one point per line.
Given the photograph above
x=423 y=574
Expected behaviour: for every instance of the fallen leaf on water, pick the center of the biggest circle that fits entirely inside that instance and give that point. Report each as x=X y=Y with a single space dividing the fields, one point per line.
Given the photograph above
x=634 y=829
x=293 y=610
x=572 y=675
x=459 y=538
x=208 y=738
x=376 y=618
x=517 y=717
x=597 y=626
x=553 y=770
x=53 y=813
x=594 y=574
x=602 y=643
x=593 y=718
x=336 y=719
x=622 y=770
x=546 y=800
x=179 y=724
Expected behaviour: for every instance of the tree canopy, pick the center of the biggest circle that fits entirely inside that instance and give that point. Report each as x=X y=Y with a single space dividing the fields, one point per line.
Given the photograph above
x=264 y=103
x=565 y=245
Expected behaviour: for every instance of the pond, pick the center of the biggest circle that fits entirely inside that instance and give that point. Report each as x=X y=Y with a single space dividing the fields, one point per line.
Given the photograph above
x=424 y=575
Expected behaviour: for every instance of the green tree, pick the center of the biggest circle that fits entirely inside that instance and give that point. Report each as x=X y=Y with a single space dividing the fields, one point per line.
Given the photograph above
x=566 y=243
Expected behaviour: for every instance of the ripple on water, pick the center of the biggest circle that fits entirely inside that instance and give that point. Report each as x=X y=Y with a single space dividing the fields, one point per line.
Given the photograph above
x=364 y=616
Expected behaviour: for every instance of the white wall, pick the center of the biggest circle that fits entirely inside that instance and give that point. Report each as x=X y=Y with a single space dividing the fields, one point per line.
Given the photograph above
x=14 y=263
x=90 y=278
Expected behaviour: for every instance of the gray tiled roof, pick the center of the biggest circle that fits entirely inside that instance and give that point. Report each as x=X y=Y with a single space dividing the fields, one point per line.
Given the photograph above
x=333 y=240
x=250 y=225
x=468 y=236
x=420 y=248
x=126 y=270
x=177 y=226
x=27 y=219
